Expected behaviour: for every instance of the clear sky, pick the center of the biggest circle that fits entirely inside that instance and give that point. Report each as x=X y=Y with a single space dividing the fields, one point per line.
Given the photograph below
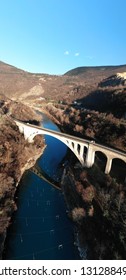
x=54 y=36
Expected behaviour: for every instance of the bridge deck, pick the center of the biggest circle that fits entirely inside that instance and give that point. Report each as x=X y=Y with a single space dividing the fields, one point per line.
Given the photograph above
x=70 y=137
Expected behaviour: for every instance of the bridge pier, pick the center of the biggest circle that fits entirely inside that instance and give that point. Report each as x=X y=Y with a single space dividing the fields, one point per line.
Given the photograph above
x=81 y=151
x=29 y=134
x=108 y=165
x=21 y=129
x=81 y=154
x=78 y=150
x=90 y=156
x=74 y=148
x=30 y=138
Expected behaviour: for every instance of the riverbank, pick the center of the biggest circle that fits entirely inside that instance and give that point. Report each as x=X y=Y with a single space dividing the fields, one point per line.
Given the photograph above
x=16 y=156
x=96 y=202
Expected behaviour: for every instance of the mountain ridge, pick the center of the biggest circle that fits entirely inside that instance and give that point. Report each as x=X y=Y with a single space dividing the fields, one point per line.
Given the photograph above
x=83 y=69
x=73 y=71
x=33 y=88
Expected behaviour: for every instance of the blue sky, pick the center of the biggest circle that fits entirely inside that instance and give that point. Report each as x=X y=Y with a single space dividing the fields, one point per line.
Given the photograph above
x=54 y=36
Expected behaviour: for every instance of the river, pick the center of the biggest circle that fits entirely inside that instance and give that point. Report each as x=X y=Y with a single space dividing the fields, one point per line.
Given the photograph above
x=40 y=227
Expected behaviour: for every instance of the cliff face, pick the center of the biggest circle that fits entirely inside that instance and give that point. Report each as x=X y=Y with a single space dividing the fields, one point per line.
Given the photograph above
x=16 y=156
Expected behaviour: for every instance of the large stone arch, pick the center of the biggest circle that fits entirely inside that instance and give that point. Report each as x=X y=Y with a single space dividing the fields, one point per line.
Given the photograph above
x=76 y=148
x=118 y=169
x=101 y=159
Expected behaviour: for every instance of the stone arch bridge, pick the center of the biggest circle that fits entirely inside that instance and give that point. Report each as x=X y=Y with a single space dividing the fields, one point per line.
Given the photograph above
x=83 y=149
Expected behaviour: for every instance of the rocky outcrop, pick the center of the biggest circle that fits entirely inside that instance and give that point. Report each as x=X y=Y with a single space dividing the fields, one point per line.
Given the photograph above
x=115 y=80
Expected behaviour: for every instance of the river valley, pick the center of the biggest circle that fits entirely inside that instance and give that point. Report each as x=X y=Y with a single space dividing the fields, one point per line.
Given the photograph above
x=40 y=228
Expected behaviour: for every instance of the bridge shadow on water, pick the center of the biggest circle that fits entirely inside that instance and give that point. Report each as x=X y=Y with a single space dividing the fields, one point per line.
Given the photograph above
x=43 y=175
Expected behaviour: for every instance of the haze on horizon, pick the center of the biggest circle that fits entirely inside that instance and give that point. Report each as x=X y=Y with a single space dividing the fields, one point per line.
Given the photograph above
x=54 y=36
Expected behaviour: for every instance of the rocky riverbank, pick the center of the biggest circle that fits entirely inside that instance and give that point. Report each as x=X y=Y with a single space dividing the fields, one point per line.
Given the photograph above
x=16 y=156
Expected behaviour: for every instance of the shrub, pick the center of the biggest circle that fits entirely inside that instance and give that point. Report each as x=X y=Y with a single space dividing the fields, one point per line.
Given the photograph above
x=78 y=214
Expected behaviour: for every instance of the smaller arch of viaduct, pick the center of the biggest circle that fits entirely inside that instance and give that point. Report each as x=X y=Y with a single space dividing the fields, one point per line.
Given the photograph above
x=77 y=145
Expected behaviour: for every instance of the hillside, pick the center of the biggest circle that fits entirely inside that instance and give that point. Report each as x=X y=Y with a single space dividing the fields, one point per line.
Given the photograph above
x=16 y=156
x=34 y=88
x=7 y=68
x=14 y=81
x=108 y=97
x=95 y=70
